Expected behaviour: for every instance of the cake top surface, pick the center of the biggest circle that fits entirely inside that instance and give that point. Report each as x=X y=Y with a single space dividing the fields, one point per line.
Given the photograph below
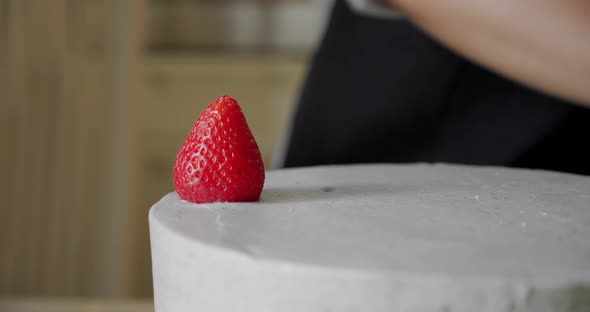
x=398 y=219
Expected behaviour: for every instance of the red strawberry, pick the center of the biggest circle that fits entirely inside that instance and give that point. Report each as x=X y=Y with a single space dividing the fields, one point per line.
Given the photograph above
x=219 y=161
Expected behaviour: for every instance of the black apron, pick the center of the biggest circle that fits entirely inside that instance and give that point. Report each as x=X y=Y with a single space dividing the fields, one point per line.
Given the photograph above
x=381 y=90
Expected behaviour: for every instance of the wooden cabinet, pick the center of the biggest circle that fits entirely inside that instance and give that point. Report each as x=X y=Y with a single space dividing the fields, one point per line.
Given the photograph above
x=91 y=123
x=68 y=73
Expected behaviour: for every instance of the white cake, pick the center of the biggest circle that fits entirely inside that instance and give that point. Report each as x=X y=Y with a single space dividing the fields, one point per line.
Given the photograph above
x=380 y=238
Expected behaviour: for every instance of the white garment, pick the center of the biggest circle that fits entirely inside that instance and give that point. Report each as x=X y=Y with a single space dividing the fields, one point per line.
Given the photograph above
x=375 y=8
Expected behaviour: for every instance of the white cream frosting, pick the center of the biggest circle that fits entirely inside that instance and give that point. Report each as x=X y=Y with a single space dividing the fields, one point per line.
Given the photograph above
x=380 y=238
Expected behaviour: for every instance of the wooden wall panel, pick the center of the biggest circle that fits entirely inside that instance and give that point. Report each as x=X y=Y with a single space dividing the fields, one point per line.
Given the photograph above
x=285 y=26
x=68 y=140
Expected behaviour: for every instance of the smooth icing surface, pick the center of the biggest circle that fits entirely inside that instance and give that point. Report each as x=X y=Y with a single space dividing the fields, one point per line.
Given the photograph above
x=381 y=237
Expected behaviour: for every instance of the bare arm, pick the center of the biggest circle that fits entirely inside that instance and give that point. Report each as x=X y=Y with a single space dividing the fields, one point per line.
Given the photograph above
x=541 y=43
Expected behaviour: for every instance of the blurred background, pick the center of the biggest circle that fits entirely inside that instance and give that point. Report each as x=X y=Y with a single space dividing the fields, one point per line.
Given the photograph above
x=95 y=99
